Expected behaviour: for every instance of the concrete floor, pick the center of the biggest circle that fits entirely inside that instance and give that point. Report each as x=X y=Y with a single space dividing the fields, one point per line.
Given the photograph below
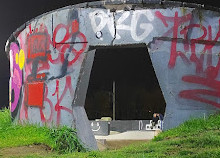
x=118 y=140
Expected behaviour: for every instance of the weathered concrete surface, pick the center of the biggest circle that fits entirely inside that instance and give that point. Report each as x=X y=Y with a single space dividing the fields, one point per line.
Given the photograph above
x=48 y=54
x=118 y=140
x=130 y=135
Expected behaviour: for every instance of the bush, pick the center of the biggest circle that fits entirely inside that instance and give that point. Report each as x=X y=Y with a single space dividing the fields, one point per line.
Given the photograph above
x=66 y=140
x=62 y=139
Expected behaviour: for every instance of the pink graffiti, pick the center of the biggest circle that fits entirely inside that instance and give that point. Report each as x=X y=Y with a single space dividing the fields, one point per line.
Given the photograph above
x=204 y=76
x=58 y=107
x=46 y=99
x=16 y=77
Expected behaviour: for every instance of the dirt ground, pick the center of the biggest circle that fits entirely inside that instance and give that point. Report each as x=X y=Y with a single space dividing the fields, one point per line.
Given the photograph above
x=43 y=150
x=40 y=150
x=117 y=144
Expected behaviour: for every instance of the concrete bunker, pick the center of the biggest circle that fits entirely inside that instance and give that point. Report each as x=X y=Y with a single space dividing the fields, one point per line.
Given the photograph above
x=137 y=92
x=51 y=59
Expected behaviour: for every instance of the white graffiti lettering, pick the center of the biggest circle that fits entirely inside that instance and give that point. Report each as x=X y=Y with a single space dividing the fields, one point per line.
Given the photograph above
x=104 y=19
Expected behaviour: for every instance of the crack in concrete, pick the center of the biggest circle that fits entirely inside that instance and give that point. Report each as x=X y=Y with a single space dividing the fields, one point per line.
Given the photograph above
x=112 y=42
x=52 y=29
x=182 y=40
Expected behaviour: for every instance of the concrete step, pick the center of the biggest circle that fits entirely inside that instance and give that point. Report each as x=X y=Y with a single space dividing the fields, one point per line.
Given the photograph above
x=118 y=140
x=131 y=135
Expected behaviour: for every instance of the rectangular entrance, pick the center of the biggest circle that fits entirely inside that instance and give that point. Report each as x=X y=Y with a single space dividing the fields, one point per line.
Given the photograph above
x=130 y=72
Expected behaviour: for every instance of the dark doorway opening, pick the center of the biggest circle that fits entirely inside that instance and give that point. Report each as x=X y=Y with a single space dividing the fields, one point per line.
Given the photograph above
x=138 y=94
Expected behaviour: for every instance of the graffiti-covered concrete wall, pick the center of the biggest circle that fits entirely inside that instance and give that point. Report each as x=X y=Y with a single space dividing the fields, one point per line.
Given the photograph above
x=51 y=58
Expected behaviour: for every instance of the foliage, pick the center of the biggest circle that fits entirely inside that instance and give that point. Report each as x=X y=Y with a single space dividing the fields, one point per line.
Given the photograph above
x=192 y=127
x=62 y=139
x=5 y=119
x=196 y=138
x=66 y=140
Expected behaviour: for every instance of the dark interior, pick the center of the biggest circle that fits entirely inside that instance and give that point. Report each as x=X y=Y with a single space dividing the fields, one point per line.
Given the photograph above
x=138 y=94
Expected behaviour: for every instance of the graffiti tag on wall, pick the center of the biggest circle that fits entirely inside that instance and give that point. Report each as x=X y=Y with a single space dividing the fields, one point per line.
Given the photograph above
x=36 y=60
x=205 y=73
x=46 y=59
x=133 y=17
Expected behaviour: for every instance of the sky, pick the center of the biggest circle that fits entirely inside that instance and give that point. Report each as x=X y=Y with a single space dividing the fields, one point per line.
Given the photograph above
x=14 y=13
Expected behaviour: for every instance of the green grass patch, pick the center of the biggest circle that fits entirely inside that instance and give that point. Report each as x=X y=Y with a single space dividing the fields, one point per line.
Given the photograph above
x=196 y=138
x=62 y=139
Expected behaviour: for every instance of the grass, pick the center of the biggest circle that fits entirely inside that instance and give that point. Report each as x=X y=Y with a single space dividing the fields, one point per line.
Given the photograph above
x=196 y=138
x=63 y=139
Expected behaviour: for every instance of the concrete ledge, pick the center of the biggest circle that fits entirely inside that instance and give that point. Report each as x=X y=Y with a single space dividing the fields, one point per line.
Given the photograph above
x=130 y=135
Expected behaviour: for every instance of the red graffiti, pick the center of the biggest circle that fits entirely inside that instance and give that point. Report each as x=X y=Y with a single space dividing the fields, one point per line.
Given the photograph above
x=46 y=99
x=71 y=32
x=34 y=94
x=37 y=45
x=58 y=107
x=65 y=44
x=204 y=76
x=209 y=81
x=177 y=21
